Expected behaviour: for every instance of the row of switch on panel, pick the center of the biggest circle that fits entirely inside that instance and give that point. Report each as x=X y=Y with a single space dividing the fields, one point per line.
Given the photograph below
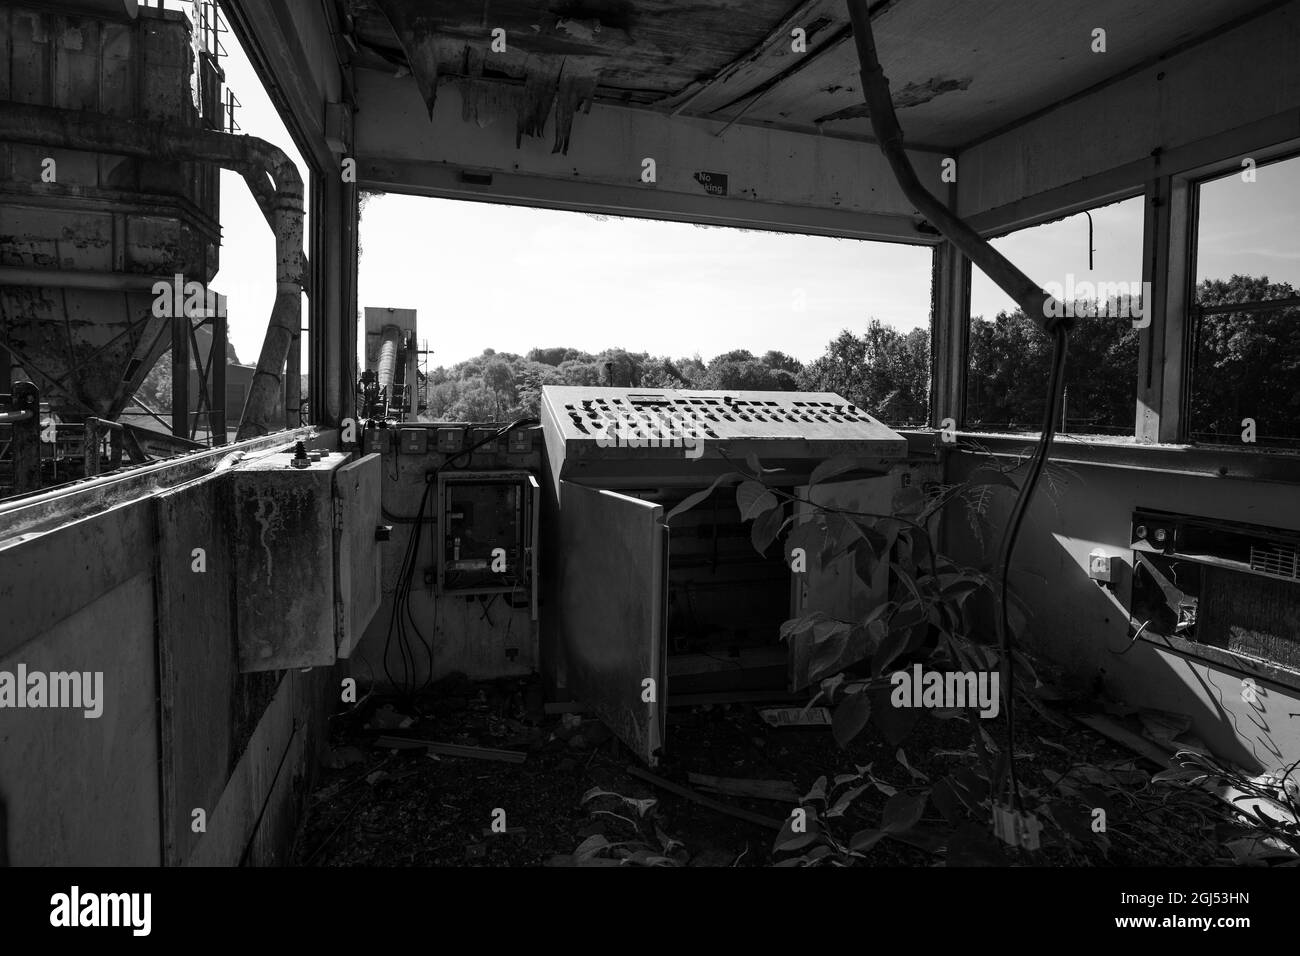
x=413 y=440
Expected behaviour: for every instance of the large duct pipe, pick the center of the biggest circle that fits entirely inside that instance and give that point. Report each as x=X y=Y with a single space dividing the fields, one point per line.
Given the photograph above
x=261 y=164
x=389 y=342
x=1033 y=301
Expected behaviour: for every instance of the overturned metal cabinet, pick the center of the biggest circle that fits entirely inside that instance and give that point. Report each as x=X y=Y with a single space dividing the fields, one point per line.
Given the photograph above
x=307 y=567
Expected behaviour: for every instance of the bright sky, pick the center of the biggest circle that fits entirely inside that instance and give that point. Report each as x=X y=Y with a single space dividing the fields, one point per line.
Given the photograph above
x=1055 y=250
x=489 y=276
x=510 y=278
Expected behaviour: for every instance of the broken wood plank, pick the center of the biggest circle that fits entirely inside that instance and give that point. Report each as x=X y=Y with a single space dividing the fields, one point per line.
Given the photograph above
x=702 y=800
x=782 y=791
x=451 y=750
x=1108 y=727
x=796 y=716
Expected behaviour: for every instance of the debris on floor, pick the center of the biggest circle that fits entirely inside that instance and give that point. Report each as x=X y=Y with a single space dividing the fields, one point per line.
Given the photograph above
x=726 y=793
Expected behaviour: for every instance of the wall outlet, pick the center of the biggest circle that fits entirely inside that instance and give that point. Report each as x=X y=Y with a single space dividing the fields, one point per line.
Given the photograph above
x=1099 y=566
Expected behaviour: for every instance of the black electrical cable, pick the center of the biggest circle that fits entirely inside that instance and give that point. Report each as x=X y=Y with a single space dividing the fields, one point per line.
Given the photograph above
x=1051 y=416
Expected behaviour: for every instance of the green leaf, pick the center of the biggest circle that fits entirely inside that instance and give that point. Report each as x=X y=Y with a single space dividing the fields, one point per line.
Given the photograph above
x=846 y=800
x=753 y=499
x=788 y=840
x=906 y=577
x=818 y=791
x=850 y=717
x=798 y=625
x=895 y=643
x=767 y=527
x=864 y=840
x=903 y=811
x=920 y=545
x=864 y=563
x=809 y=535
x=829 y=641
x=756 y=466
x=690 y=501
x=877 y=612
x=834 y=466
x=909 y=501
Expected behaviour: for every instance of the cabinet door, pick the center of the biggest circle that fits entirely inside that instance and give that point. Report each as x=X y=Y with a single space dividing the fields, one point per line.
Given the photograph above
x=612 y=567
x=359 y=563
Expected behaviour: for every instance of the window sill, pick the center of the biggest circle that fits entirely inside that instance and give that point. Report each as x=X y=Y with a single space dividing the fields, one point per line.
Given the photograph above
x=1200 y=461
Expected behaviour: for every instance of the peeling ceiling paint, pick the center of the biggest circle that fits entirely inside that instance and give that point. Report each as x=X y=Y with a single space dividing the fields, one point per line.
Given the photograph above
x=914 y=94
x=554 y=58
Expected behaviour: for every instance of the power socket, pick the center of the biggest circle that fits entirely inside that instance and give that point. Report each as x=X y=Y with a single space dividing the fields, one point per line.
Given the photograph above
x=1099 y=568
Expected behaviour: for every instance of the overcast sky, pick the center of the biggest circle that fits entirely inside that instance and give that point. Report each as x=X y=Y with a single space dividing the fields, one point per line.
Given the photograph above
x=509 y=278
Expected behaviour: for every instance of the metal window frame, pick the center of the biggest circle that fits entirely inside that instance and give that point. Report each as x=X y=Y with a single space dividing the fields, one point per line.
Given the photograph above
x=1182 y=313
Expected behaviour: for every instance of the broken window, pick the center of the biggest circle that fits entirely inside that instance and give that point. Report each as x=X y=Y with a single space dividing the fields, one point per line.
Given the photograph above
x=1244 y=342
x=1092 y=263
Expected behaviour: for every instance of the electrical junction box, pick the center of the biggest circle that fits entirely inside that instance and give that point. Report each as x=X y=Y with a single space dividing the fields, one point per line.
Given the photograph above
x=1099 y=566
x=520 y=441
x=413 y=441
x=450 y=439
x=306 y=557
x=488 y=525
x=484 y=435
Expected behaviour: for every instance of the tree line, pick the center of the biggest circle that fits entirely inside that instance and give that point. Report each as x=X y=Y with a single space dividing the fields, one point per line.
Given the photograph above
x=883 y=370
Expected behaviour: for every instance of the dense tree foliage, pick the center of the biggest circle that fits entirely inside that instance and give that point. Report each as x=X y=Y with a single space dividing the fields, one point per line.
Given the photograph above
x=1245 y=365
x=1240 y=365
x=502 y=385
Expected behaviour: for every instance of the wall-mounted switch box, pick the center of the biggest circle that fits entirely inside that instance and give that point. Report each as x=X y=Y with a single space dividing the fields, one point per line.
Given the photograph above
x=413 y=441
x=307 y=581
x=1099 y=566
x=520 y=441
x=450 y=440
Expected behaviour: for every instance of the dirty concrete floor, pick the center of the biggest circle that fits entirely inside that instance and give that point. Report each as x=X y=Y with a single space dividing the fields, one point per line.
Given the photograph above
x=382 y=807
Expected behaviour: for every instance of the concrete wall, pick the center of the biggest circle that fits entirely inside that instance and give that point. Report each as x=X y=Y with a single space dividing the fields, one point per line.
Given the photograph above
x=456 y=629
x=104 y=582
x=1084 y=627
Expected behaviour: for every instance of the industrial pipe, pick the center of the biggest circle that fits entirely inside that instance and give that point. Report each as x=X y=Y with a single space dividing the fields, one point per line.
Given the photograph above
x=1033 y=301
x=388 y=345
x=252 y=158
x=79 y=279
x=8 y=418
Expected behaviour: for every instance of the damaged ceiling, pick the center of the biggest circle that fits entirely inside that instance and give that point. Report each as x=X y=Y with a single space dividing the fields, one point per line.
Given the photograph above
x=959 y=71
